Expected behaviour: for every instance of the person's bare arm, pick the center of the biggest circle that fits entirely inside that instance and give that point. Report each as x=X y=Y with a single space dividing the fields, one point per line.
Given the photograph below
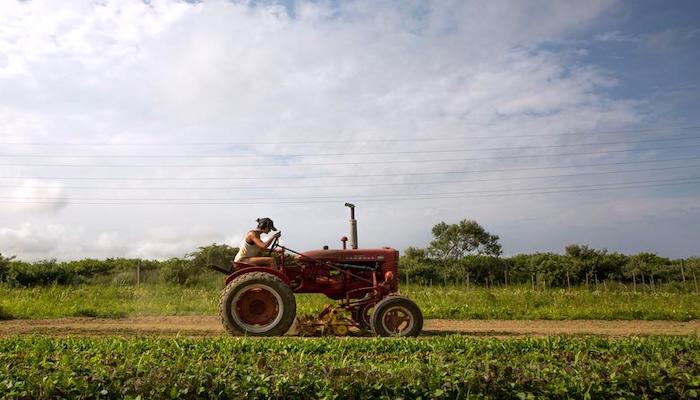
x=263 y=245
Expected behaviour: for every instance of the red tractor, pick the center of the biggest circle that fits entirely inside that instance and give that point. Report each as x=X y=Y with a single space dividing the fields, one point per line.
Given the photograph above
x=259 y=301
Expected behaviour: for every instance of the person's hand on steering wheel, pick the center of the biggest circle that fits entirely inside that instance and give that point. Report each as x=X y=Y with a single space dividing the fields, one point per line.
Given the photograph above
x=274 y=243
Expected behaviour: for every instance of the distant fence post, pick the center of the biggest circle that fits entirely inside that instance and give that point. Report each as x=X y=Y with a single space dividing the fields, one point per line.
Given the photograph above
x=634 y=281
x=138 y=273
x=682 y=272
x=696 y=281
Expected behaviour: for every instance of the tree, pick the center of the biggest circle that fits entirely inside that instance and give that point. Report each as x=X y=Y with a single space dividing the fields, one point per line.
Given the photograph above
x=452 y=242
x=415 y=253
x=648 y=264
x=216 y=254
x=4 y=264
x=589 y=263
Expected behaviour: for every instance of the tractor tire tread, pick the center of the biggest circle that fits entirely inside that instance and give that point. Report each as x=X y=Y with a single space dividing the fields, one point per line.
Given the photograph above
x=405 y=302
x=285 y=292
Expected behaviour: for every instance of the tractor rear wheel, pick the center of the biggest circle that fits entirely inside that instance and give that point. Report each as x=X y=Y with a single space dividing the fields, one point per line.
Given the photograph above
x=397 y=316
x=257 y=304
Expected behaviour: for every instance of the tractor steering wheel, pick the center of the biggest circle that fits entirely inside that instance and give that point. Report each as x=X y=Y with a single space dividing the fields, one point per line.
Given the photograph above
x=273 y=246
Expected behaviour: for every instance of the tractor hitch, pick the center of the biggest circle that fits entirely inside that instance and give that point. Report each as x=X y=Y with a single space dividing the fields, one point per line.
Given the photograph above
x=332 y=321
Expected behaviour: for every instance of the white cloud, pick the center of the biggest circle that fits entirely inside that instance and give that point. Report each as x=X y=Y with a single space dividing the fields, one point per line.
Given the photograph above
x=617 y=36
x=35 y=196
x=166 y=242
x=662 y=42
x=34 y=241
x=28 y=239
x=125 y=72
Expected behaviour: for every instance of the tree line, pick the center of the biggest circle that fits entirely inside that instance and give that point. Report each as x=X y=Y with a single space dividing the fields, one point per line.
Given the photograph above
x=466 y=253
x=461 y=253
x=188 y=270
x=580 y=265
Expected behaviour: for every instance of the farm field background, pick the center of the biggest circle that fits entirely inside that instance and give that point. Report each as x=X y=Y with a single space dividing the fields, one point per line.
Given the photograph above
x=443 y=302
x=165 y=341
x=326 y=368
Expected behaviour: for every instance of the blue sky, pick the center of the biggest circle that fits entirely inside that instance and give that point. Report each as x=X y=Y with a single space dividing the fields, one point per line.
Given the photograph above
x=148 y=129
x=651 y=48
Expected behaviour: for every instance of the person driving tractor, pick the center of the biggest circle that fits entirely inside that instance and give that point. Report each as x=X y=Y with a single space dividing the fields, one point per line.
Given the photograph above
x=252 y=247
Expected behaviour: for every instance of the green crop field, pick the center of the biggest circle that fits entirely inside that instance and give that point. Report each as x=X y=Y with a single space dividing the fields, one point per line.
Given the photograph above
x=453 y=302
x=330 y=368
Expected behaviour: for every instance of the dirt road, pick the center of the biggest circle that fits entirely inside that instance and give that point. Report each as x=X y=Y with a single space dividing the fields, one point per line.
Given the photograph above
x=210 y=326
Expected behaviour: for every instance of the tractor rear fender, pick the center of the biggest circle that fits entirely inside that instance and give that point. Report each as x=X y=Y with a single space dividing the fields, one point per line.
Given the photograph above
x=268 y=270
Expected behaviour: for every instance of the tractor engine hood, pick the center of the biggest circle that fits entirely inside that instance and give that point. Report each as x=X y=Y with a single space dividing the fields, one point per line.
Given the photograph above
x=352 y=255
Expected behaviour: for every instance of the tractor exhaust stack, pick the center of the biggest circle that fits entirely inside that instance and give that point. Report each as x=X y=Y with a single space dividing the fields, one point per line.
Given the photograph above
x=353 y=226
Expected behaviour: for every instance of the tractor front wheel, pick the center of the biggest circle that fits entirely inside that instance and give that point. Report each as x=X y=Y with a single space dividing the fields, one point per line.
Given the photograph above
x=257 y=304
x=397 y=316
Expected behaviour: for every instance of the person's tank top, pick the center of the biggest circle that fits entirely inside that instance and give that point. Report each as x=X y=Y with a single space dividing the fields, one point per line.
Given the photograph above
x=247 y=250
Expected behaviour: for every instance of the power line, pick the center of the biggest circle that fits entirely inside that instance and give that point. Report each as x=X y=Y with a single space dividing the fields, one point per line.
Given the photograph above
x=196 y=156
x=371 y=162
x=348 y=195
x=335 y=185
x=460 y=172
x=412 y=198
x=343 y=142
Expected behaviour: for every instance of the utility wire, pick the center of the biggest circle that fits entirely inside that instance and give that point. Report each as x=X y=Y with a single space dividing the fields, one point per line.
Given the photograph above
x=335 y=185
x=372 y=162
x=412 y=198
x=361 y=197
x=380 y=140
x=284 y=177
x=196 y=156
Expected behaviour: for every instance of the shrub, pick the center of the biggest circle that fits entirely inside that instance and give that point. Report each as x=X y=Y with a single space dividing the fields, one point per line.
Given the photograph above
x=180 y=271
x=4 y=264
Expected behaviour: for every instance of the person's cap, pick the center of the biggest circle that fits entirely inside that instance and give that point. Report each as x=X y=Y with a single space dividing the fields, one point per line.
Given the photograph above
x=266 y=223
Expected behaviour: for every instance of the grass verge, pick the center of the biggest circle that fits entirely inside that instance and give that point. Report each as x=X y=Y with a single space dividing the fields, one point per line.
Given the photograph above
x=451 y=302
x=4 y=314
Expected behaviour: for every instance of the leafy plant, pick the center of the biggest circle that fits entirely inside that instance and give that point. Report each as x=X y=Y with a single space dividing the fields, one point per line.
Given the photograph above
x=327 y=368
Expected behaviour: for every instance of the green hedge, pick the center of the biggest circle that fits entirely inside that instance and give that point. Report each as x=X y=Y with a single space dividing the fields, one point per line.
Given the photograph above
x=552 y=270
x=580 y=265
x=191 y=269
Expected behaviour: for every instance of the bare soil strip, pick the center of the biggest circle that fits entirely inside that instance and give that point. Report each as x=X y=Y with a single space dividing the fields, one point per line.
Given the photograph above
x=205 y=326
